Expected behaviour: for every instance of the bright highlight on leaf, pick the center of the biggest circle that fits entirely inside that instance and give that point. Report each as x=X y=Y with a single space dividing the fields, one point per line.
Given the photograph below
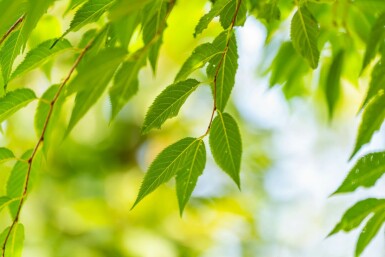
x=14 y=101
x=304 y=34
x=226 y=145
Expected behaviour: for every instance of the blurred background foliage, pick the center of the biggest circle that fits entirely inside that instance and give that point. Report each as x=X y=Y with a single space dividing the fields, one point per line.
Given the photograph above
x=294 y=157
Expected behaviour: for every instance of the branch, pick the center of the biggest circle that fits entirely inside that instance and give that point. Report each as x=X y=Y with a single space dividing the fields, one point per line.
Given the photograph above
x=219 y=67
x=40 y=141
x=14 y=26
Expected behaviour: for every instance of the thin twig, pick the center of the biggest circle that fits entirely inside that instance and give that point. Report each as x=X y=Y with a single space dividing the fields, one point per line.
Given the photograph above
x=14 y=26
x=40 y=141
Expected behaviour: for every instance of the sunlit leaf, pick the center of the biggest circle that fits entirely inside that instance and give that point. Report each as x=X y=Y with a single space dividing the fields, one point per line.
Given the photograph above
x=369 y=231
x=304 y=35
x=15 y=242
x=15 y=9
x=11 y=49
x=14 y=101
x=377 y=36
x=226 y=145
x=377 y=82
x=168 y=104
x=6 y=154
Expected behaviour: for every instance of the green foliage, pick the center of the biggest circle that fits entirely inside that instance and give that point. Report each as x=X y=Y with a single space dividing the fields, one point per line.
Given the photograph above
x=14 y=101
x=16 y=240
x=333 y=81
x=6 y=154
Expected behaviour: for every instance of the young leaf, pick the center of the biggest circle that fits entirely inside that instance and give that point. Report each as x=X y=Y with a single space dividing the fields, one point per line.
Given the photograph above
x=304 y=35
x=187 y=177
x=377 y=82
x=333 y=82
x=366 y=172
x=4 y=201
x=369 y=231
x=15 y=243
x=372 y=118
x=168 y=104
x=125 y=84
x=9 y=52
x=376 y=37
x=6 y=154
x=15 y=9
x=226 y=16
x=226 y=145
x=199 y=57
x=354 y=216
x=228 y=65
x=216 y=10
x=14 y=101
x=167 y=164
x=73 y=4
x=37 y=56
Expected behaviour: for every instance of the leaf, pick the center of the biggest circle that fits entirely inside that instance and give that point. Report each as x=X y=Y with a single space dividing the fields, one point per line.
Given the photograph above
x=354 y=216
x=125 y=27
x=187 y=177
x=168 y=104
x=270 y=12
x=333 y=82
x=366 y=172
x=377 y=36
x=167 y=164
x=215 y=10
x=371 y=121
x=124 y=8
x=4 y=200
x=73 y=4
x=125 y=84
x=304 y=35
x=228 y=65
x=226 y=145
x=6 y=154
x=199 y=57
x=377 y=82
x=39 y=55
x=89 y=12
x=369 y=231
x=15 y=242
x=9 y=52
x=15 y=9
x=227 y=15
x=14 y=101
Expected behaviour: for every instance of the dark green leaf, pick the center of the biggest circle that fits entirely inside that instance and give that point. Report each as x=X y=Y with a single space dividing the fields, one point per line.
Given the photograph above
x=369 y=231
x=14 y=101
x=168 y=104
x=6 y=154
x=333 y=82
x=354 y=216
x=376 y=38
x=371 y=121
x=227 y=15
x=167 y=164
x=226 y=145
x=187 y=177
x=304 y=35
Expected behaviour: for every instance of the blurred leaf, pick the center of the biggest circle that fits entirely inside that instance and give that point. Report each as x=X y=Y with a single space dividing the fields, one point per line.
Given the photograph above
x=6 y=154
x=167 y=164
x=14 y=101
x=186 y=178
x=377 y=36
x=369 y=231
x=125 y=27
x=39 y=55
x=4 y=200
x=372 y=118
x=377 y=82
x=304 y=35
x=14 y=10
x=226 y=145
x=366 y=172
x=354 y=216
x=270 y=12
x=15 y=243
x=168 y=104
x=333 y=82
x=73 y=4
x=199 y=57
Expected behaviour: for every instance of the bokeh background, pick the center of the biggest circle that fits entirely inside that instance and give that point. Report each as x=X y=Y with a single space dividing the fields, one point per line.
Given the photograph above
x=293 y=159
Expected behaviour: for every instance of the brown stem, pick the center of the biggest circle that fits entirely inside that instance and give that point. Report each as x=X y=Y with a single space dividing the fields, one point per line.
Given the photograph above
x=40 y=141
x=14 y=26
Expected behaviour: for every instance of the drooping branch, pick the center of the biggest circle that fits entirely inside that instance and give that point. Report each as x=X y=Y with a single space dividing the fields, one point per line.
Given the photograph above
x=11 y=29
x=40 y=142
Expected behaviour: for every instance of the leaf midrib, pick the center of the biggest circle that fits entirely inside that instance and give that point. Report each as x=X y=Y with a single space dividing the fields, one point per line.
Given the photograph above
x=306 y=34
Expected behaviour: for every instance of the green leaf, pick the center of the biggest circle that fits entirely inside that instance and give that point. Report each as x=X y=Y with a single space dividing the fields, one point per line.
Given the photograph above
x=73 y=4
x=228 y=62
x=366 y=172
x=186 y=178
x=216 y=10
x=125 y=27
x=376 y=38
x=15 y=9
x=270 y=12
x=89 y=12
x=167 y=164
x=226 y=145
x=333 y=82
x=14 y=101
x=6 y=154
x=168 y=104
x=125 y=84
x=369 y=231
x=371 y=121
x=377 y=82
x=11 y=49
x=124 y=8
x=304 y=35
x=227 y=15
x=4 y=200
x=199 y=57
x=15 y=242
x=354 y=216
x=39 y=55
